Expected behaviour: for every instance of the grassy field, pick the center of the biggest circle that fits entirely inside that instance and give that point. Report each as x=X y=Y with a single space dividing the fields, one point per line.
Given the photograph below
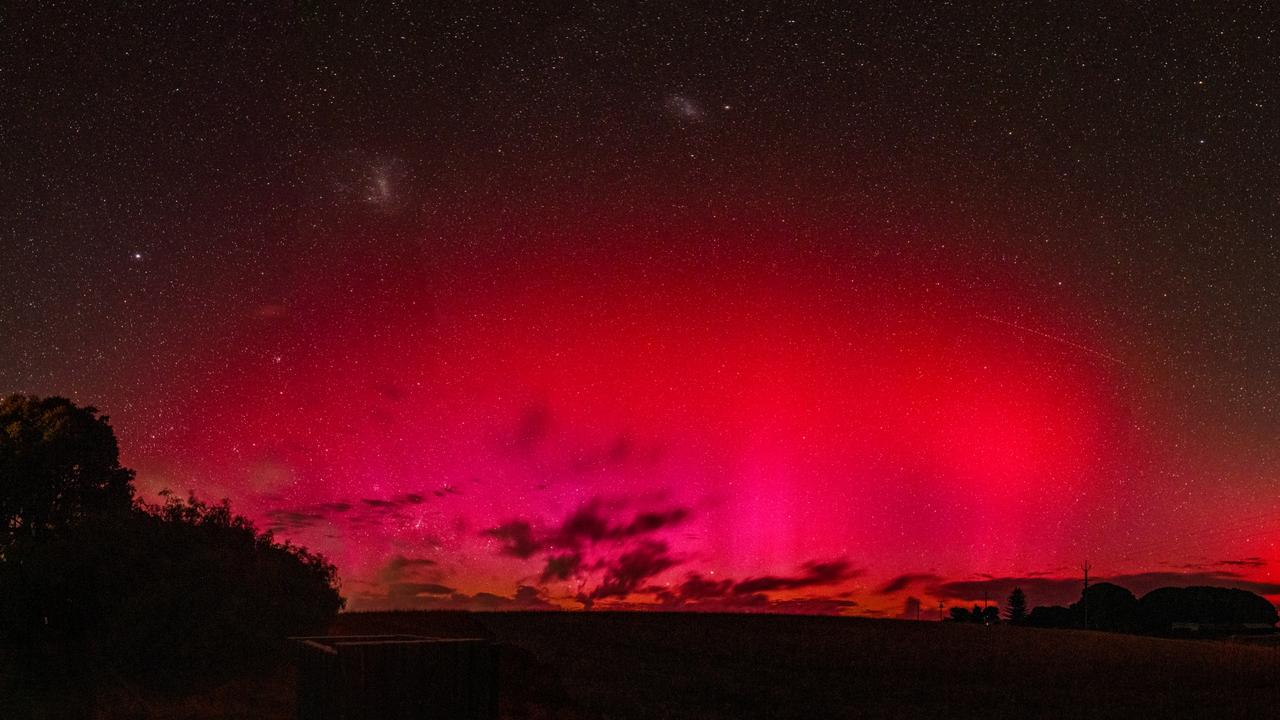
x=623 y=665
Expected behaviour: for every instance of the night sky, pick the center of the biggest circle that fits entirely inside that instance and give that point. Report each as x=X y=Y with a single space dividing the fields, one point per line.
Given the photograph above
x=777 y=308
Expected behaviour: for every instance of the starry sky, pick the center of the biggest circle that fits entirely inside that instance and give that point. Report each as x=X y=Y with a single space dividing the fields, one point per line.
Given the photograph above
x=794 y=307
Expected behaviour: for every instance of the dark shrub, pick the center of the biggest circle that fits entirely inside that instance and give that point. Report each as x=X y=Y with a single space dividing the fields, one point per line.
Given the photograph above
x=167 y=595
x=1051 y=616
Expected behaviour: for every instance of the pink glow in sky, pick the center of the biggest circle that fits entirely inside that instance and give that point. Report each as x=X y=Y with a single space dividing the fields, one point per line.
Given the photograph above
x=603 y=426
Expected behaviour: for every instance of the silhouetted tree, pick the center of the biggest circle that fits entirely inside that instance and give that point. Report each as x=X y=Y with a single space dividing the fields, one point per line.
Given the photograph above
x=1111 y=607
x=1216 y=607
x=59 y=463
x=985 y=616
x=1114 y=608
x=1016 y=613
x=165 y=593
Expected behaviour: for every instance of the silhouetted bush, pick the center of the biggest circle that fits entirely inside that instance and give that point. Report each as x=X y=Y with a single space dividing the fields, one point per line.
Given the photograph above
x=989 y=615
x=172 y=593
x=161 y=593
x=1051 y=616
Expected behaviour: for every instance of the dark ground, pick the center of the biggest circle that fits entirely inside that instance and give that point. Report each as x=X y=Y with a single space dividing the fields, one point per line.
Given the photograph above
x=653 y=666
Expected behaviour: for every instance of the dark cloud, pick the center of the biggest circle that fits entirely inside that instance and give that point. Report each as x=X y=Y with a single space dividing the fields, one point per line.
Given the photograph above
x=814 y=573
x=585 y=527
x=527 y=597
x=561 y=567
x=811 y=606
x=292 y=520
x=1190 y=565
x=718 y=599
x=399 y=567
x=902 y=582
x=401 y=562
x=696 y=587
x=629 y=571
x=429 y=597
x=586 y=524
x=761 y=603
x=308 y=516
x=589 y=525
x=364 y=511
x=590 y=540
x=703 y=594
x=1251 y=562
x=517 y=539
x=652 y=522
x=406 y=593
x=1039 y=590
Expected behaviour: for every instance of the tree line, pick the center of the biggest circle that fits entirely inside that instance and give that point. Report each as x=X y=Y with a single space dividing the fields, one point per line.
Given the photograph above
x=1110 y=607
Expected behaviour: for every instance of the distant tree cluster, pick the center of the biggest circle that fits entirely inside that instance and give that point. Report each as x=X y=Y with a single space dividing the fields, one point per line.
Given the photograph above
x=94 y=580
x=981 y=615
x=1106 y=606
x=990 y=614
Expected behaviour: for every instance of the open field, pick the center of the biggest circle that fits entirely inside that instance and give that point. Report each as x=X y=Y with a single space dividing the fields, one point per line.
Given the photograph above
x=632 y=665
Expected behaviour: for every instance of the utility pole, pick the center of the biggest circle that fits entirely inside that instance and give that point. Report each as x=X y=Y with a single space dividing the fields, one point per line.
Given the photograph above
x=1084 y=597
x=940 y=615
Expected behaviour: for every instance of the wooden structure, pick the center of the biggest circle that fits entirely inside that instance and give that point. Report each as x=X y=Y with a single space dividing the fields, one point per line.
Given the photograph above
x=396 y=677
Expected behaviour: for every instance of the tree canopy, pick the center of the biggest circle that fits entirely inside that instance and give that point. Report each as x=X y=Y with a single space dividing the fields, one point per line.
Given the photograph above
x=988 y=615
x=58 y=463
x=1114 y=608
x=1162 y=607
x=1108 y=607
